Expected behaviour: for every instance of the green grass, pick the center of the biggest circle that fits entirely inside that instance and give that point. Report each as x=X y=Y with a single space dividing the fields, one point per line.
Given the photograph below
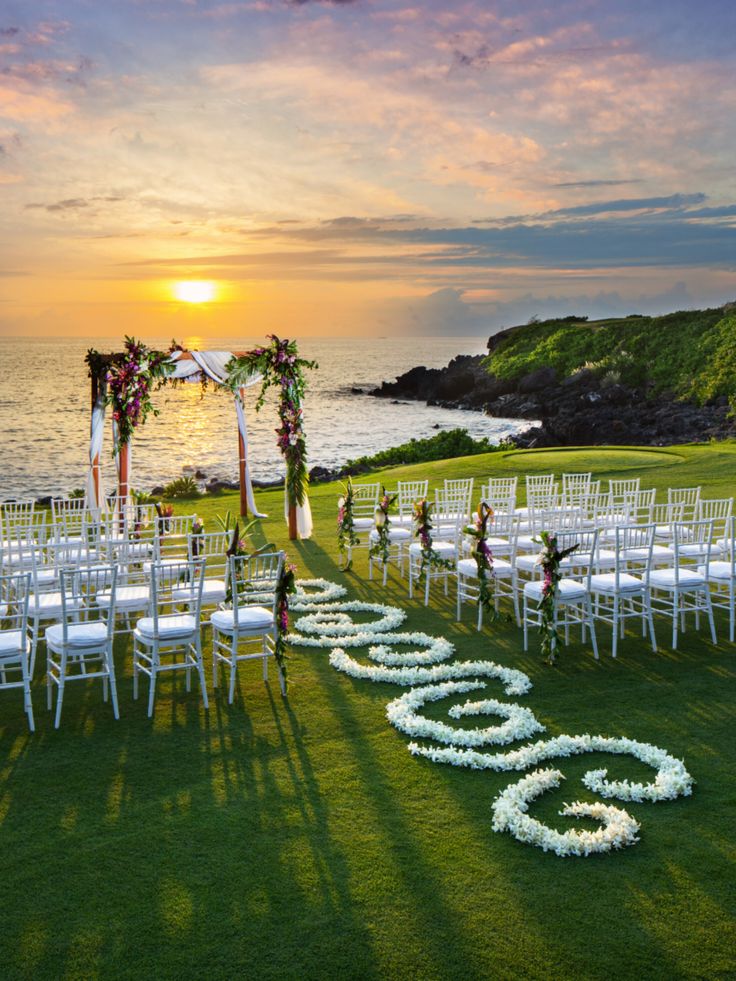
x=299 y=839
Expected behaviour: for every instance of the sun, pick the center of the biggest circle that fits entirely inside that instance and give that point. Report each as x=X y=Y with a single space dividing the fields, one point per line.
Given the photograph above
x=194 y=291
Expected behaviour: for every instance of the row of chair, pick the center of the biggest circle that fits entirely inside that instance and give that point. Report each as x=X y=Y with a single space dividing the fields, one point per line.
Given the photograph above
x=167 y=632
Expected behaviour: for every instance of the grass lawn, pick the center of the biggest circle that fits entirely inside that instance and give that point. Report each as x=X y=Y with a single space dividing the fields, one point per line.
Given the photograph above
x=299 y=838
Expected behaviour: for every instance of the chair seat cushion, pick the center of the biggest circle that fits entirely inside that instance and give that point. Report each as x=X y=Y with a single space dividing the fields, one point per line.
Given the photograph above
x=569 y=590
x=213 y=591
x=92 y=634
x=718 y=570
x=49 y=604
x=527 y=563
x=394 y=534
x=249 y=618
x=661 y=555
x=469 y=567
x=170 y=626
x=10 y=644
x=126 y=598
x=605 y=582
x=445 y=549
x=696 y=550
x=135 y=549
x=363 y=524
x=665 y=578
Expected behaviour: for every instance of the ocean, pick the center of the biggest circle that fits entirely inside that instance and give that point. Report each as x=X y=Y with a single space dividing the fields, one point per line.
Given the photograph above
x=45 y=411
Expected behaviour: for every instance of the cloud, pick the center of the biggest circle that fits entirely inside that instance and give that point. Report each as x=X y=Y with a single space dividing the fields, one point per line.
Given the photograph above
x=599 y=183
x=72 y=204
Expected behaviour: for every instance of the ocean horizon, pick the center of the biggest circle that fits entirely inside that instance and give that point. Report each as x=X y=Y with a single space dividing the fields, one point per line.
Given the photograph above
x=45 y=412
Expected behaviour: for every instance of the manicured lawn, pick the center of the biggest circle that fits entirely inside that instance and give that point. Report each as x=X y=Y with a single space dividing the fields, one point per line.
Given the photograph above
x=299 y=838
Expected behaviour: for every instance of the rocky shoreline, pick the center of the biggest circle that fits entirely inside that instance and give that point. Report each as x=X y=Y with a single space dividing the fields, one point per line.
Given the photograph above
x=581 y=409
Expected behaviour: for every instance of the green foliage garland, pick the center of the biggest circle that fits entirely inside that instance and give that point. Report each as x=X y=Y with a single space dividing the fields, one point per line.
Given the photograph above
x=280 y=366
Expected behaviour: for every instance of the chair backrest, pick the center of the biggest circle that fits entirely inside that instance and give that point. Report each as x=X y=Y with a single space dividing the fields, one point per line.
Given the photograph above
x=79 y=587
x=501 y=486
x=171 y=536
x=212 y=546
x=410 y=491
x=575 y=484
x=692 y=542
x=62 y=507
x=15 y=513
x=633 y=545
x=253 y=577
x=667 y=514
x=365 y=499
x=166 y=584
x=461 y=485
x=542 y=497
x=626 y=486
x=729 y=544
x=687 y=496
x=498 y=500
x=719 y=509
x=14 y=596
x=584 y=556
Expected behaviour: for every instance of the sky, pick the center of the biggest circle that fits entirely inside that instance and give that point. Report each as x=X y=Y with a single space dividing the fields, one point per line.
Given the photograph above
x=362 y=167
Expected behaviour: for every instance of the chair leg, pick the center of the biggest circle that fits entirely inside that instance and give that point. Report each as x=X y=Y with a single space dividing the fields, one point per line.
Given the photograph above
x=650 y=618
x=60 y=694
x=593 y=639
x=200 y=670
x=28 y=705
x=709 y=609
x=215 y=658
x=614 y=643
x=113 y=683
x=152 y=688
x=233 y=669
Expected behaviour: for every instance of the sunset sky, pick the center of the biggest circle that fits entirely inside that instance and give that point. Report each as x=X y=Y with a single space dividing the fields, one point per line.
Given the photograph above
x=364 y=167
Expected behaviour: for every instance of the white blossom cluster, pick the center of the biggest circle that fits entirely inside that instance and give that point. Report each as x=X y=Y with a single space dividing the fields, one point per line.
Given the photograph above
x=424 y=668
x=510 y=813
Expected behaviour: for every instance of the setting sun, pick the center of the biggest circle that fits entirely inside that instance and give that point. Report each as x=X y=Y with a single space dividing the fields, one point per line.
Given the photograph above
x=194 y=291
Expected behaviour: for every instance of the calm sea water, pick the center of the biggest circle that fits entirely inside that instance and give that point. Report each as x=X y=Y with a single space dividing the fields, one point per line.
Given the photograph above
x=44 y=413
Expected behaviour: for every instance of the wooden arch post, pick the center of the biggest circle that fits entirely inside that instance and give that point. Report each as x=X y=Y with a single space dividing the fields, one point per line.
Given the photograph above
x=96 y=395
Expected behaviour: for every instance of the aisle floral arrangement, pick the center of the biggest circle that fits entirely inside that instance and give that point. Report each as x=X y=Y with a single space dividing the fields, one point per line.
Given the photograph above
x=380 y=548
x=483 y=556
x=285 y=587
x=280 y=366
x=423 y=531
x=346 y=536
x=550 y=558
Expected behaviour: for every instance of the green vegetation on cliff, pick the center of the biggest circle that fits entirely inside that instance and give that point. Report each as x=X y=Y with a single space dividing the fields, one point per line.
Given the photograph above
x=691 y=352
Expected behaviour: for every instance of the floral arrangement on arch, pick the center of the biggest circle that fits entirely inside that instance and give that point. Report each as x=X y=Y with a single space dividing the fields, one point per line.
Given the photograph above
x=550 y=558
x=483 y=556
x=380 y=548
x=130 y=379
x=280 y=366
x=422 y=517
x=346 y=536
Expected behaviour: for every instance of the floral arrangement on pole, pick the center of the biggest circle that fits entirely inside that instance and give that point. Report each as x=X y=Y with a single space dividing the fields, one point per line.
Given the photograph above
x=130 y=379
x=346 y=537
x=285 y=586
x=197 y=532
x=280 y=366
x=423 y=531
x=380 y=548
x=550 y=558
x=483 y=556
x=164 y=512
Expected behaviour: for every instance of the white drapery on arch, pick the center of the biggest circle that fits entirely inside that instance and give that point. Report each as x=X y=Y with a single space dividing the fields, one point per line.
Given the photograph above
x=190 y=366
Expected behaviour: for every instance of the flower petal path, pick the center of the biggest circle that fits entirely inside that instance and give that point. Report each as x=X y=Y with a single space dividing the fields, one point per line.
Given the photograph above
x=327 y=623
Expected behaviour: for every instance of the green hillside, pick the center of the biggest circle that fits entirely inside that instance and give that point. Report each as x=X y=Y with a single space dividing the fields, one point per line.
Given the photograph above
x=691 y=352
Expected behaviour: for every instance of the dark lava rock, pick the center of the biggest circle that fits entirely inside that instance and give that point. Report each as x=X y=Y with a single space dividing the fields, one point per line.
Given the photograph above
x=200 y=475
x=321 y=475
x=537 y=381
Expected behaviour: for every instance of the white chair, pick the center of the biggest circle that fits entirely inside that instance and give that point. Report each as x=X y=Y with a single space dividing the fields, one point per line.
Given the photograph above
x=444 y=546
x=683 y=588
x=15 y=643
x=79 y=648
x=408 y=492
x=573 y=604
x=620 y=595
x=721 y=576
x=688 y=497
x=503 y=488
x=576 y=486
x=719 y=510
x=623 y=488
x=167 y=632
x=365 y=501
x=132 y=597
x=13 y=513
x=212 y=547
x=399 y=539
x=250 y=621
x=505 y=579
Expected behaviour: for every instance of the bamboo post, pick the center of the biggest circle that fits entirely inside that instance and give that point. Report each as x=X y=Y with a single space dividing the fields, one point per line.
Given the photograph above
x=293 y=535
x=123 y=490
x=242 y=458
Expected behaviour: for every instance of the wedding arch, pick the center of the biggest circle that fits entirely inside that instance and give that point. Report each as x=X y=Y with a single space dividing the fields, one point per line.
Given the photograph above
x=125 y=380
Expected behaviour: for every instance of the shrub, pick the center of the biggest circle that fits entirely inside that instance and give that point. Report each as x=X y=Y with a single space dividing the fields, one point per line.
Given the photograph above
x=181 y=487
